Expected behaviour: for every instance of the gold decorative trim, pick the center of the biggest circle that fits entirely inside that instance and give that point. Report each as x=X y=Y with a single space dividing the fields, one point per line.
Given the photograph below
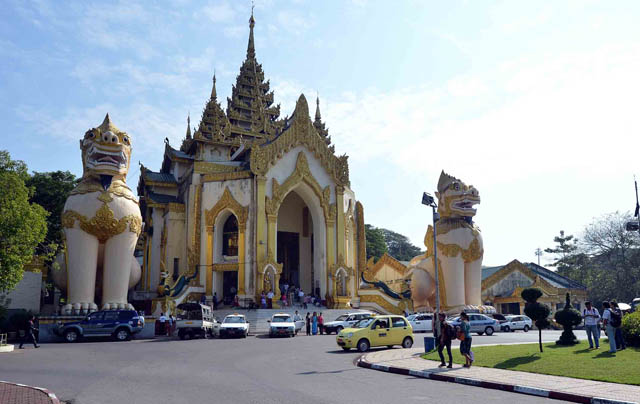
x=161 y=184
x=118 y=188
x=301 y=173
x=231 y=266
x=207 y=167
x=361 y=239
x=469 y=254
x=103 y=225
x=388 y=260
x=385 y=305
x=227 y=201
x=176 y=207
x=300 y=132
x=236 y=175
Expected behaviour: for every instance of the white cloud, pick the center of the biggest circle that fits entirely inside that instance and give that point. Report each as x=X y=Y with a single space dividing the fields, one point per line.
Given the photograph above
x=220 y=12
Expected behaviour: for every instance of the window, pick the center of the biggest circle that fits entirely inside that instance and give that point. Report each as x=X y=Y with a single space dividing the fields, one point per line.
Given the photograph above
x=399 y=322
x=110 y=316
x=126 y=315
x=96 y=316
x=230 y=237
x=176 y=268
x=381 y=323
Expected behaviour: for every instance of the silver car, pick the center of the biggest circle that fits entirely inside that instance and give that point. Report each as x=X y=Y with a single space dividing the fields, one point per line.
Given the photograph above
x=479 y=323
x=513 y=323
x=421 y=322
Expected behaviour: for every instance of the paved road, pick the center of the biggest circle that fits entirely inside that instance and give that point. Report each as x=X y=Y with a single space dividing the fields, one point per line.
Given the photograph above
x=254 y=370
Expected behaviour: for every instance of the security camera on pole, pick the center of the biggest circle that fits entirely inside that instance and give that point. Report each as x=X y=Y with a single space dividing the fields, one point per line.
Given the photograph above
x=428 y=200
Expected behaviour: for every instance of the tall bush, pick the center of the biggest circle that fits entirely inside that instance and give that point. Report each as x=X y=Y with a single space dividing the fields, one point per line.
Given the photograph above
x=568 y=318
x=631 y=328
x=538 y=312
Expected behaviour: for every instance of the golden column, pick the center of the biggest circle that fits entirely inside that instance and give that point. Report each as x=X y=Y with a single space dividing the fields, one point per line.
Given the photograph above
x=209 y=284
x=340 y=222
x=241 y=256
x=331 y=241
x=272 y=220
x=260 y=220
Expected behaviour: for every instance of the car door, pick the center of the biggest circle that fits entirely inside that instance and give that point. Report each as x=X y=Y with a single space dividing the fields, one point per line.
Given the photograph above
x=351 y=320
x=94 y=321
x=428 y=322
x=108 y=324
x=399 y=327
x=381 y=332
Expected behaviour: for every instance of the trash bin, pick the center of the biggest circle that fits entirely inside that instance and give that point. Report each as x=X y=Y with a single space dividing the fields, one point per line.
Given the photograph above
x=429 y=344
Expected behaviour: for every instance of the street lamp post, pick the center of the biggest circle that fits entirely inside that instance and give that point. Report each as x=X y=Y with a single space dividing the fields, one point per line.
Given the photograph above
x=428 y=200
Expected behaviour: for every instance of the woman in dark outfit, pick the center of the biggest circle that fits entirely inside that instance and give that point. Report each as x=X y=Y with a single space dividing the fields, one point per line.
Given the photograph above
x=308 y=322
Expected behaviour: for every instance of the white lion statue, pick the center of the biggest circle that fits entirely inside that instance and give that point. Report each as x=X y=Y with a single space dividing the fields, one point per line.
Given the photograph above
x=102 y=222
x=460 y=252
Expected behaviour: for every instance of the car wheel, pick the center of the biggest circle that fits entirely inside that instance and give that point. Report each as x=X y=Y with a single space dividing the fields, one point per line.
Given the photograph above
x=489 y=331
x=507 y=329
x=480 y=333
x=345 y=348
x=407 y=342
x=363 y=345
x=122 y=334
x=71 y=336
x=526 y=328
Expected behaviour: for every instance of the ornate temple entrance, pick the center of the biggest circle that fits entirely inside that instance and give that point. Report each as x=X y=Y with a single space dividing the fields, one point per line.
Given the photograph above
x=295 y=243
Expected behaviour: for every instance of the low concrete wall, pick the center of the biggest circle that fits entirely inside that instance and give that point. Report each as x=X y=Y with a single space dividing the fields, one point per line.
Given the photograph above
x=48 y=324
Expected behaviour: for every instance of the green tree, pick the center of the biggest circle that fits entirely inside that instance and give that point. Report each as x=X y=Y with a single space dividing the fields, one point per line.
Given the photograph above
x=399 y=246
x=564 y=251
x=538 y=312
x=23 y=225
x=50 y=190
x=376 y=246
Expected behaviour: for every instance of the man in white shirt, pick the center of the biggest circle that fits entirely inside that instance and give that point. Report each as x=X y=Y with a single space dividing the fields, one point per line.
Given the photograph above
x=591 y=317
x=270 y=296
x=163 y=322
x=611 y=331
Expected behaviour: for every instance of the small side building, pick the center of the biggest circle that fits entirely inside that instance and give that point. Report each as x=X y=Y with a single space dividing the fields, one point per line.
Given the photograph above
x=502 y=286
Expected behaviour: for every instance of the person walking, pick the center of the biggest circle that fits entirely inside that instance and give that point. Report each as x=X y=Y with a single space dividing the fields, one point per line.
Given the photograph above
x=591 y=318
x=616 y=322
x=610 y=329
x=447 y=333
x=314 y=323
x=162 y=320
x=214 y=300
x=270 y=299
x=465 y=344
x=29 y=333
x=301 y=298
x=321 y=323
x=297 y=318
x=308 y=321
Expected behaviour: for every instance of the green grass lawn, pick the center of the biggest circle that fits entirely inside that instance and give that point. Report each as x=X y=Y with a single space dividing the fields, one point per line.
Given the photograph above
x=573 y=361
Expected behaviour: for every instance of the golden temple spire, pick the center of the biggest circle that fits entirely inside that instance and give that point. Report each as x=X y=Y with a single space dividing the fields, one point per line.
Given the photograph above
x=214 y=93
x=251 y=50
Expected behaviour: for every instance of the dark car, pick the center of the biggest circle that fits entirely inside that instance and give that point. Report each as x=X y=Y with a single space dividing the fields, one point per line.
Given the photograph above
x=118 y=324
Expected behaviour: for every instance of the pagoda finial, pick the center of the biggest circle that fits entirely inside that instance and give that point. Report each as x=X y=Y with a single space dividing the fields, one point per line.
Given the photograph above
x=318 y=117
x=188 y=126
x=251 y=51
x=214 y=93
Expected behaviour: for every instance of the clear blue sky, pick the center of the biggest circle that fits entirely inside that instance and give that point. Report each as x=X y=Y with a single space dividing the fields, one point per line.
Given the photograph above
x=535 y=103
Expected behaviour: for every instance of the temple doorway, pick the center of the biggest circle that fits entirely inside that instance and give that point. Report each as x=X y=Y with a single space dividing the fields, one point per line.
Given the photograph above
x=229 y=286
x=295 y=243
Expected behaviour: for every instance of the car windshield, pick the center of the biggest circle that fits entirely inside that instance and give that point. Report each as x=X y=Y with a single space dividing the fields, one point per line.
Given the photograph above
x=364 y=323
x=342 y=317
x=234 y=320
x=282 y=319
x=412 y=317
x=189 y=315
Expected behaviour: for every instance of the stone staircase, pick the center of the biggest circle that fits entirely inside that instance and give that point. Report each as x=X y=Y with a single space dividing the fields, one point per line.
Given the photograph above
x=258 y=319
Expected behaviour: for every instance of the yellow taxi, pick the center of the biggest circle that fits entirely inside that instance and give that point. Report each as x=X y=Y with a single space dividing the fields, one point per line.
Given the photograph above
x=377 y=331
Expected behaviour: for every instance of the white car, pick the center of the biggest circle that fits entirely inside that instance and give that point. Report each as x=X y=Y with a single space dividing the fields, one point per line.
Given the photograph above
x=346 y=321
x=234 y=325
x=513 y=323
x=282 y=324
x=421 y=322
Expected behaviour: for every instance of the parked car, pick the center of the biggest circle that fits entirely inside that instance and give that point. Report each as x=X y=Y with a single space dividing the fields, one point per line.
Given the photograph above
x=421 y=322
x=479 y=323
x=377 y=331
x=513 y=323
x=346 y=321
x=234 y=325
x=196 y=320
x=119 y=324
x=497 y=316
x=282 y=324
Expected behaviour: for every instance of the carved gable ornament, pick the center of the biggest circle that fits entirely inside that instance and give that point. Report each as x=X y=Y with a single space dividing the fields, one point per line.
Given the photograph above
x=300 y=132
x=227 y=201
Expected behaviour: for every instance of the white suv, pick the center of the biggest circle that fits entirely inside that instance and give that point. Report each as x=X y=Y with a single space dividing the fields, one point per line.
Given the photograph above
x=513 y=323
x=346 y=321
x=421 y=322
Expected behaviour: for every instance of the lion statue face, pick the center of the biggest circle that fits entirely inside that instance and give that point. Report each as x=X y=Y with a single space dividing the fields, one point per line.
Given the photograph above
x=106 y=150
x=455 y=198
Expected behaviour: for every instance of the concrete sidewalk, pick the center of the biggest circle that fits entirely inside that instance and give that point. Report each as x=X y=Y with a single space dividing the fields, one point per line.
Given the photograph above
x=12 y=393
x=408 y=362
